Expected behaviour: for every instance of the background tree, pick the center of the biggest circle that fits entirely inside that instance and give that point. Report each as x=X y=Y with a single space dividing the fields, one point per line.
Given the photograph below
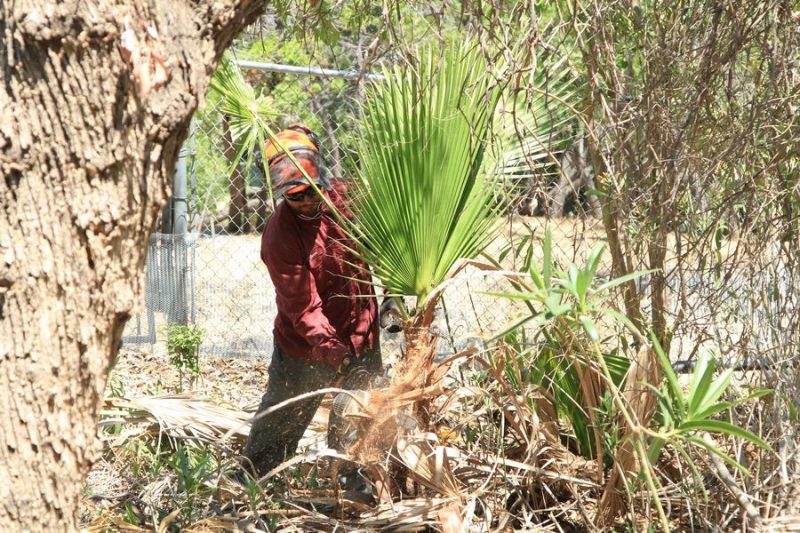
x=682 y=107
x=95 y=102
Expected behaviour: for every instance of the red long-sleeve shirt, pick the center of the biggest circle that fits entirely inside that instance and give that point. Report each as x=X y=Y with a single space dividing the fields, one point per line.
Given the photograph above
x=322 y=315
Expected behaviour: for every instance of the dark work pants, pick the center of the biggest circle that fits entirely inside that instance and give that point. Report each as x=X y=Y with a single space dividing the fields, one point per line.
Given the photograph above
x=274 y=437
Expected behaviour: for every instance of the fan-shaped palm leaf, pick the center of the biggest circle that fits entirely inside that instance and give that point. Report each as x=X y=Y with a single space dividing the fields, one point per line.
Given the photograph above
x=247 y=114
x=421 y=201
x=535 y=127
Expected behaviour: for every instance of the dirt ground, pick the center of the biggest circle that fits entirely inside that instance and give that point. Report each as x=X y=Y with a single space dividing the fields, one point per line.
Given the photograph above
x=238 y=382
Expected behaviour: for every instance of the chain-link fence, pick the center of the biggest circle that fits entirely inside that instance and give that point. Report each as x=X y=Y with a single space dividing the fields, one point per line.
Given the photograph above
x=214 y=274
x=214 y=277
x=215 y=271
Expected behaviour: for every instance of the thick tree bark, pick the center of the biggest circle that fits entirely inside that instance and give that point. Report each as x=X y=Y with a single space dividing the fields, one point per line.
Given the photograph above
x=95 y=99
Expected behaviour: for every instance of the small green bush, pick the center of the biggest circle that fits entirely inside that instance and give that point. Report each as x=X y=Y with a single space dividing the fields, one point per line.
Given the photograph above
x=183 y=346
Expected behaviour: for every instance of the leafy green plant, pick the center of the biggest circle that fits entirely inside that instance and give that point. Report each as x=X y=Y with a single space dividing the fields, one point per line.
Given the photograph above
x=560 y=353
x=194 y=468
x=683 y=415
x=148 y=458
x=585 y=375
x=247 y=115
x=421 y=200
x=183 y=347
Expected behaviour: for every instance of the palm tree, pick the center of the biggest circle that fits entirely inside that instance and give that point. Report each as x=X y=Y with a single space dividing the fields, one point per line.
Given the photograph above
x=422 y=200
x=434 y=157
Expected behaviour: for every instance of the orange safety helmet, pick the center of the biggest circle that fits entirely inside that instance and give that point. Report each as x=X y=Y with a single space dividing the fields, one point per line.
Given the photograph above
x=295 y=138
x=284 y=174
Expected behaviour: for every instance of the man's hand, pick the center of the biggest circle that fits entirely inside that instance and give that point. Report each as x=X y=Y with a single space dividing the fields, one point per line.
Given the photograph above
x=390 y=317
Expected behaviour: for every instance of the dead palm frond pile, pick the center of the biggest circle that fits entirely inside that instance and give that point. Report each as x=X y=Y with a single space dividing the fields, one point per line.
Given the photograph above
x=180 y=416
x=477 y=461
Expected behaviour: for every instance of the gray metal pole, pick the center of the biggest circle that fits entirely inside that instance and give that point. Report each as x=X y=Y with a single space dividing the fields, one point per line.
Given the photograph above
x=310 y=71
x=180 y=212
x=191 y=152
x=180 y=224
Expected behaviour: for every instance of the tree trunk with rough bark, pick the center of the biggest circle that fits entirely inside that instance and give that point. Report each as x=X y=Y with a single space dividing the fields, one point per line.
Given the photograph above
x=95 y=100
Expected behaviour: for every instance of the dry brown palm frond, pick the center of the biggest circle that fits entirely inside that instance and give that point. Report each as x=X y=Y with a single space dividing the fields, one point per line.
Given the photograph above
x=576 y=472
x=428 y=464
x=183 y=416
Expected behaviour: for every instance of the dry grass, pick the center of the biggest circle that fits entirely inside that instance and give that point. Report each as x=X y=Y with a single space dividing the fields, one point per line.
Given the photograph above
x=476 y=456
x=486 y=463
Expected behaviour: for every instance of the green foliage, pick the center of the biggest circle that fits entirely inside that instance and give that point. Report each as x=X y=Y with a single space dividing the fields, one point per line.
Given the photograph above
x=246 y=112
x=290 y=95
x=566 y=307
x=421 y=201
x=193 y=469
x=183 y=347
x=257 y=104
x=558 y=341
x=683 y=414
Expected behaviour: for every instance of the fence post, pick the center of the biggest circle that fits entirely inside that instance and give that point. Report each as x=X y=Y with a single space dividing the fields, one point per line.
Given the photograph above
x=179 y=241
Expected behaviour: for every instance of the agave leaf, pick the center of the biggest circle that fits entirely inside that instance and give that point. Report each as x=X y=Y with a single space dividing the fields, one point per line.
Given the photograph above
x=711 y=410
x=716 y=451
x=700 y=381
x=712 y=393
x=624 y=320
x=588 y=325
x=706 y=411
x=547 y=260
x=672 y=379
x=572 y=280
x=667 y=411
x=593 y=261
x=622 y=279
x=555 y=308
x=698 y=479
x=719 y=426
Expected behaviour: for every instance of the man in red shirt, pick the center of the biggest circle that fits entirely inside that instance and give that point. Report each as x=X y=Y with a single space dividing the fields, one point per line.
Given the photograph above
x=327 y=323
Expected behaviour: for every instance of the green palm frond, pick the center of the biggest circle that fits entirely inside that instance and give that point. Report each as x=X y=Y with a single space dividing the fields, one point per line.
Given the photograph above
x=536 y=127
x=247 y=113
x=421 y=201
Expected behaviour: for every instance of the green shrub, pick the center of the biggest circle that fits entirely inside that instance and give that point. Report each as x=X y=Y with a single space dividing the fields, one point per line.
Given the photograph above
x=183 y=346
